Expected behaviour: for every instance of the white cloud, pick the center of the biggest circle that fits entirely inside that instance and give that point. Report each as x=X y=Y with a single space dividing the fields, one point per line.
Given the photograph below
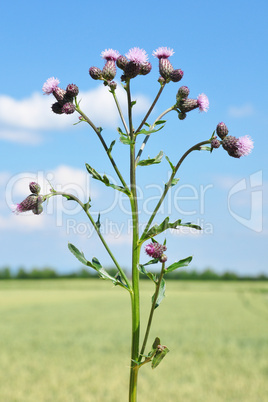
x=245 y=110
x=34 y=113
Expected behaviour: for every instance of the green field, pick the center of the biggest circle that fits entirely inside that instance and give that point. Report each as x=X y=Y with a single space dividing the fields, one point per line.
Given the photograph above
x=69 y=340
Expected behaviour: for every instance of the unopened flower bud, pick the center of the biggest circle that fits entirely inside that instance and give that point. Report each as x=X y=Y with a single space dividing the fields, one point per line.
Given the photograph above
x=121 y=62
x=132 y=69
x=38 y=209
x=95 y=73
x=68 y=108
x=163 y=258
x=145 y=68
x=215 y=143
x=222 y=130
x=30 y=203
x=176 y=75
x=112 y=85
x=72 y=90
x=34 y=187
x=182 y=93
x=57 y=108
x=165 y=68
x=109 y=70
x=182 y=115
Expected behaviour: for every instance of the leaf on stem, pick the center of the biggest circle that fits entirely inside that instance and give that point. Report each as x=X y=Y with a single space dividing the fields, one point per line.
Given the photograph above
x=143 y=270
x=111 y=146
x=104 y=179
x=156 y=229
x=151 y=161
x=170 y=163
x=161 y=293
x=179 y=264
x=151 y=129
x=159 y=355
x=95 y=264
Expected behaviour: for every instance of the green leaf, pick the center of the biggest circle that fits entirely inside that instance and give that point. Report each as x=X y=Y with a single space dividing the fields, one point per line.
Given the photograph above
x=147 y=162
x=161 y=293
x=111 y=146
x=156 y=229
x=204 y=148
x=151 y=130
x=98 y=224
x=171 y=164
x=78 y=254
x=150 y=275
x=104 y=179
x=159 y=355
x=133 y=103
x=154 y=347
x=179 y=264
x=126 y=140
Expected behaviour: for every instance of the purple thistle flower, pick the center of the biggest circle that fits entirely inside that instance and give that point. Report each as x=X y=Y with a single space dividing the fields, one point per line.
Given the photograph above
x=244 y=145
x=163 y=52
x=110 y=54
x=68 y=108
x=203 y=103
x=50 y=85
x=137 y=55
x=237 y=147
x=155 y=250
x=31 y=203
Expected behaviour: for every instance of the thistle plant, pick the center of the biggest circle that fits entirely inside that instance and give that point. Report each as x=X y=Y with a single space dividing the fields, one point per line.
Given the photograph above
x=133 y=64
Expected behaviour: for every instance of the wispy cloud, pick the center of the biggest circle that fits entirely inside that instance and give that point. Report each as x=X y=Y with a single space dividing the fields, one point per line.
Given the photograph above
x=21 y=136
x=244 y=110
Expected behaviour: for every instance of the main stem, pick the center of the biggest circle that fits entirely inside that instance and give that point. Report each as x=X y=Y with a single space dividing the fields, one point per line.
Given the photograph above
x=135 y=296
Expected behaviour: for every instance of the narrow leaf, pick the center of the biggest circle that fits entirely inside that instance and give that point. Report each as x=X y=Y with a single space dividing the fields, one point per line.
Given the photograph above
x=111 y=146
x=179 y=264
x=161 y=293
x=147 y=162
x=170 y=164
x=78 y=254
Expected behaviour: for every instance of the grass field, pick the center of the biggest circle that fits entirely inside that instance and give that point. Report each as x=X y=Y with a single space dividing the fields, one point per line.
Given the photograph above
x=69 y=340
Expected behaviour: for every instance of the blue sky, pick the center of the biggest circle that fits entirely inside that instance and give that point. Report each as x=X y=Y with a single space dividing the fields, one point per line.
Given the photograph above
x=222 y=49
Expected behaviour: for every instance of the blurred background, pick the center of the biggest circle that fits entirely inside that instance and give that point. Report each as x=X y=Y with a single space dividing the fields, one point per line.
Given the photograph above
x=222 y=49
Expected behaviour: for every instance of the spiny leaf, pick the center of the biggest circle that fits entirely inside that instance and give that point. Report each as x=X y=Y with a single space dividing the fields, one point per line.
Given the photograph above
x=156 y=229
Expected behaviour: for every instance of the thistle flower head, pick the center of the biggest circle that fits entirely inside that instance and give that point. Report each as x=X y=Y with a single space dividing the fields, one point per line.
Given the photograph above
x=110 y=54
x=72 y=90
x=137 y=55
x=34 y=187
x=163 y=52
x=215 y=143
x=203 y=102
x=176 y=75
x=31 y=203
x=155 y=250
x=237 y=147
x=68 y=108
x=50 y=85
x=95 y=73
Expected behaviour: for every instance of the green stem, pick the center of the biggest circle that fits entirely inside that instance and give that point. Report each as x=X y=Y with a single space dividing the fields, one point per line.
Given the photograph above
x=83 y=206
x=148 y=135
x=120 y=111
x=168 y=185
x=98 y=132
x=152 y=312
x=151 y=108
x=135 y=296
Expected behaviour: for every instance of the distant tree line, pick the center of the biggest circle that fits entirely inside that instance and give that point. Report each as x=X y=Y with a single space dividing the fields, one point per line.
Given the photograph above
x=49 y=273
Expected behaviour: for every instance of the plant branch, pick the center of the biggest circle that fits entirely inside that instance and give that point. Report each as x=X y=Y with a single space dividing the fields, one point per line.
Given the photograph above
x=152 y=312
x=119 y=110
x=169 y=183
x=85 y=209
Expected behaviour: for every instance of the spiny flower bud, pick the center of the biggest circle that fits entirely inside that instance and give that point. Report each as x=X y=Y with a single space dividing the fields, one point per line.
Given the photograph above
x=112 y=85
x=121 y=62
x=95 y=73
x=176 y=75
x=57 y=108
x=72 y=90
x=109 y=70
x=183 y=93
x=145 y=68
x=34 y=187
x=222 y=130
x=132 y=69
x=68 y=108
x=215 y=143
x=182 y=115
x=165 y=68
x=163 y=258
